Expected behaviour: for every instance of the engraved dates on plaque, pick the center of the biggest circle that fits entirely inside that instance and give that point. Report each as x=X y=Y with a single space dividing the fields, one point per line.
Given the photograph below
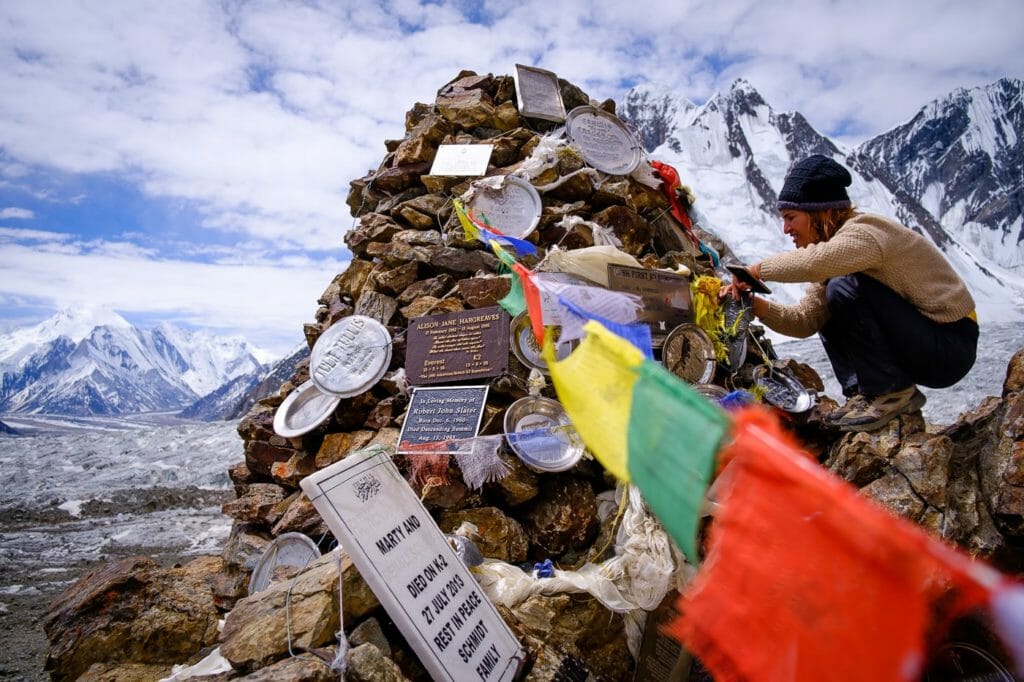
x=457 y=347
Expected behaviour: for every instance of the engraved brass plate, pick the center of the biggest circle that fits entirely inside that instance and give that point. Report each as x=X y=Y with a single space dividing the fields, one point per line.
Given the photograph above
x=457 y=347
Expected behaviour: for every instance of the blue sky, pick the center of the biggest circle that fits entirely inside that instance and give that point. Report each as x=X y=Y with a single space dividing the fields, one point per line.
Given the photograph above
x=190 y=161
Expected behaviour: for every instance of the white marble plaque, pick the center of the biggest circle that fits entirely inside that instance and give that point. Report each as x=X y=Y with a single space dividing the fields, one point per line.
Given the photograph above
x=461 y=159
x=407 y=562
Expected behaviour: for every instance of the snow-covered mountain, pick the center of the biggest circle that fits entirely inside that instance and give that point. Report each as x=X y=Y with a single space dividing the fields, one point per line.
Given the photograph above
x=233 y=399
x=962 y=158
x=733 y=151
x=85 y=361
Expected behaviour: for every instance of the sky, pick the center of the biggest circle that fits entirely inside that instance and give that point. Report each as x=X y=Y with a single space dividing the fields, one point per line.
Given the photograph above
x=189 y=161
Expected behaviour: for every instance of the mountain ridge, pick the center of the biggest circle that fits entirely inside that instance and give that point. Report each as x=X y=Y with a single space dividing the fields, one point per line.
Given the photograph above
x=734 y=151
x=56 y=367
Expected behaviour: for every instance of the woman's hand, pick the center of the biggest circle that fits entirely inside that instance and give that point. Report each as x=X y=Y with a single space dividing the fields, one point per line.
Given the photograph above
x=734 y=290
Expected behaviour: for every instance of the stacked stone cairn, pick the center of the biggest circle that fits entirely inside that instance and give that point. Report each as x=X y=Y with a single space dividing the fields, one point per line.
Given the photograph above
x=411 y=258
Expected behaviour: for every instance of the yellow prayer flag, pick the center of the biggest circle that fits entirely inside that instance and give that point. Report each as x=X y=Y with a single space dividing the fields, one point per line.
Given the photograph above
x=595 y=386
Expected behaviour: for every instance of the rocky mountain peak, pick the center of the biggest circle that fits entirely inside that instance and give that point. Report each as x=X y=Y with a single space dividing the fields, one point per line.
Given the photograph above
x=960 y=157
x=653 y=110
x=85 y=361
x=744 y=98
x=951 y=173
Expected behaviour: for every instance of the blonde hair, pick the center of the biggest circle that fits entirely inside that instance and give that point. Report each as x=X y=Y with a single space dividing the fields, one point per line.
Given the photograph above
x=827 y=222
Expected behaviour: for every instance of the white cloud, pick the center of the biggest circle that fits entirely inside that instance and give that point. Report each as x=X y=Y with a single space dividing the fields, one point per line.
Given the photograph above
x=19 y=234
x=16 y=213
x=268 y=303
x=259 y=114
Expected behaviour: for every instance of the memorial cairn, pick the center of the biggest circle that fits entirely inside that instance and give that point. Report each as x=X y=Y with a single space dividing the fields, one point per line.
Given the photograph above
x=414 y=502
x=425 y=346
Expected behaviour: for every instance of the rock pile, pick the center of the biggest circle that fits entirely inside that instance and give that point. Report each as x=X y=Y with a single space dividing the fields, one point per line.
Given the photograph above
x=411 y=258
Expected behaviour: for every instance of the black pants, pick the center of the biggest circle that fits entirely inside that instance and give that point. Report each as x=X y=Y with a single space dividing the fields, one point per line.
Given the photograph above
x=878 y=342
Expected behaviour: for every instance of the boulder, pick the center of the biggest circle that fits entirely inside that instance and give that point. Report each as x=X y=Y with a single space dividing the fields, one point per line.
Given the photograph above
x=132 y=611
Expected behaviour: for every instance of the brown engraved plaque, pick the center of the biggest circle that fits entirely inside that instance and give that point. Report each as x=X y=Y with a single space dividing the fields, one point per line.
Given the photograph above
x=457 y=347
x=440 y=414
x=665 y=295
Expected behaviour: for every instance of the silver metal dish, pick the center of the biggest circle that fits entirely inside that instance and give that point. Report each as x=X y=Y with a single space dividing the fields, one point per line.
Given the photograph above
x=712 y=392
x=525 y=348
x=782 y=389
x=540 y=433
x=293 y=550
x=303 y=410
x=689 y=353
x=350 y=356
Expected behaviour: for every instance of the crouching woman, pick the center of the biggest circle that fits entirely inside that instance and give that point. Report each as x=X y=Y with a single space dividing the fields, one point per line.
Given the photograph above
x=888 y=307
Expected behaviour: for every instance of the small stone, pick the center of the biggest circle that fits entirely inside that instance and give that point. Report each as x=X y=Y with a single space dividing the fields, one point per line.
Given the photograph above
x=484 y=292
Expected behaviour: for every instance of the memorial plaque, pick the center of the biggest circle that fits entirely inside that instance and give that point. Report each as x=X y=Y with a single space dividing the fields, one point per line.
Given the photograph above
x=538 y=94
x=461 y=159
x=665 y=296
x=404 y=557
x=605 y=141
x=351 y=356
x=689 y=353
x=513 y=208
x=439 y=414
x=457 y=347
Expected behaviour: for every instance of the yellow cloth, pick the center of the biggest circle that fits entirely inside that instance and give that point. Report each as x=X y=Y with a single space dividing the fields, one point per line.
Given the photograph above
x=973 y=315
x=595 y=386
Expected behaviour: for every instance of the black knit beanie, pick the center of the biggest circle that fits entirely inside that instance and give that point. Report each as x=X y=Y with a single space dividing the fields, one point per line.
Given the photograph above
x=815 y=184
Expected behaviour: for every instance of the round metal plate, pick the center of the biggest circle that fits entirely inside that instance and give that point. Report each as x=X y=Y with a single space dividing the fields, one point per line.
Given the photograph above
x=782 y=390
x=351 y=356
x=288 y=549
x=604 y=140
x=525 y=348
x=514 y=209
x=544 y=451
x=712 y=392
x=303 y=410
x=689 y=354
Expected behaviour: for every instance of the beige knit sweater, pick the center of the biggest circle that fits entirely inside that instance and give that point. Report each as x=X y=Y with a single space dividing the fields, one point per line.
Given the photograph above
x=883 y=249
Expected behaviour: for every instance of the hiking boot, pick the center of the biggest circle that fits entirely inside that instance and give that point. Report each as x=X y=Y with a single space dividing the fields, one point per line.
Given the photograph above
x=861 y=413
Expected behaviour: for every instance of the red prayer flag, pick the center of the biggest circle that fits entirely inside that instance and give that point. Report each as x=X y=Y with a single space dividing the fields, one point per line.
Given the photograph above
x=532 y=295
x=806 y=579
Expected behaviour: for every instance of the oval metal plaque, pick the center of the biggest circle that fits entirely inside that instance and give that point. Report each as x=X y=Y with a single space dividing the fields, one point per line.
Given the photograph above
x=604 y=140
x=525 y=348
x=293 y=550
x=514 y=209
x=351 y=356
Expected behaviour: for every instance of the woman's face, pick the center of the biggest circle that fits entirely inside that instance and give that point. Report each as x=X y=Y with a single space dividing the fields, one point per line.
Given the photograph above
x=797 y=224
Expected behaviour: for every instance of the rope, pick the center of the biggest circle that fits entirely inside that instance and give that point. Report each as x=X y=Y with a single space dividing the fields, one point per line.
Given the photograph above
x=340 y=662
